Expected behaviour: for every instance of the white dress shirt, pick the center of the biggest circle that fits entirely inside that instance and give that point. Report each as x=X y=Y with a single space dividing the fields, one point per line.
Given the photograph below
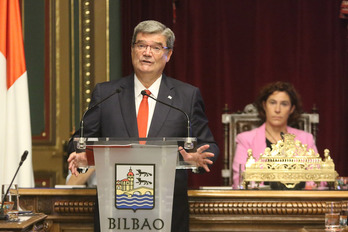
x=154 y=89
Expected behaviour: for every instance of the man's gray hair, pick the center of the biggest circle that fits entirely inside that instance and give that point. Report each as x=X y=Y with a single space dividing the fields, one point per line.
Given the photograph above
x=154 y=27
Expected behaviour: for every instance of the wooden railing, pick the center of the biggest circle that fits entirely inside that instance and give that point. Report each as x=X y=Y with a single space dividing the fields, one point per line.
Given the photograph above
x=210 y=210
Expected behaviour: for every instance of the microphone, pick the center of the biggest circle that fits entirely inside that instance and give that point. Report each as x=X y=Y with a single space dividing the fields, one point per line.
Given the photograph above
x=189 y=140
x=2 y=215
x=81 y=144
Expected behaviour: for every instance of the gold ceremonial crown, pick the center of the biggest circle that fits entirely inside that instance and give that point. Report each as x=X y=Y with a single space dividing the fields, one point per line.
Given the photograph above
x=289 y=162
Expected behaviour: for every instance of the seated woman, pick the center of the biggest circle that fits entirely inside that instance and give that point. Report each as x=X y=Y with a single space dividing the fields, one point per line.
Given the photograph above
x=279 y=106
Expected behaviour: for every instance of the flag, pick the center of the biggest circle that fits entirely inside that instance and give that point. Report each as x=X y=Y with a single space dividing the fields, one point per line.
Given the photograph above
x=15 y=130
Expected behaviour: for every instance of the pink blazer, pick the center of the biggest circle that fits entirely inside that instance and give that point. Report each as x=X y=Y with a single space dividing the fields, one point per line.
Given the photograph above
x=256 y=140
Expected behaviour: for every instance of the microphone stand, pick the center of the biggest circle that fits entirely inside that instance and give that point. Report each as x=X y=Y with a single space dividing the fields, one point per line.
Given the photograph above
x=81 y=144
x=2 y=214
x=188 y=142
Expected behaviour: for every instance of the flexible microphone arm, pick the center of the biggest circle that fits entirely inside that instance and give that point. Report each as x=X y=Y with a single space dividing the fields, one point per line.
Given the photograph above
x=23 y=158
x=81 y=144
x=188 y=143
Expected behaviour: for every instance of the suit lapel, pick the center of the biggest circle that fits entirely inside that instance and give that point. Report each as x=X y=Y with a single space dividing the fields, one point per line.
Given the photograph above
x=259 y=141
x=166 y=94
x=127 y=103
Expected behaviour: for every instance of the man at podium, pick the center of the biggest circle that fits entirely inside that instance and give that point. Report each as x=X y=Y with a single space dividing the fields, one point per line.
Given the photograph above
x=129 y=112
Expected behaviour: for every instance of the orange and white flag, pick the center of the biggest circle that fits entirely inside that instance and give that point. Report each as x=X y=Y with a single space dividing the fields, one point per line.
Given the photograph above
x=15 y=130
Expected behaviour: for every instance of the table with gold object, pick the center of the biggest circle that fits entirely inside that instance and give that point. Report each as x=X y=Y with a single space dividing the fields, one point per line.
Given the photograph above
x=33 y=223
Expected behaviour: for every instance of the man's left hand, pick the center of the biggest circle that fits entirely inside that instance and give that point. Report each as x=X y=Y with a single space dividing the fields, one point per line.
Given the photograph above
x=199 y=158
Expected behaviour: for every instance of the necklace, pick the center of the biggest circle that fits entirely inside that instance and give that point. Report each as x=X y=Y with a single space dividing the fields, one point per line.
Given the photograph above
x=274 y=139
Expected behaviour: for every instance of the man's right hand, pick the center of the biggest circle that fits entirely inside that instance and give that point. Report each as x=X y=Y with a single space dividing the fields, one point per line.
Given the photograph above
x=77 y=160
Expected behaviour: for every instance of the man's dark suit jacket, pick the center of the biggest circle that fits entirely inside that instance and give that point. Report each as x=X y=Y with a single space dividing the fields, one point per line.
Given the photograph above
x=116 y=117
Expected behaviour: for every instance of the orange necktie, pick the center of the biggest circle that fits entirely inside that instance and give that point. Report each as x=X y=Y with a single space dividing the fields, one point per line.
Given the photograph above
x=143 y=115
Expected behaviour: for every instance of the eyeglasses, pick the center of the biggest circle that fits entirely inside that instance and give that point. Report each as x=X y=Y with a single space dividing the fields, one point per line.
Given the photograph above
x=157 y=49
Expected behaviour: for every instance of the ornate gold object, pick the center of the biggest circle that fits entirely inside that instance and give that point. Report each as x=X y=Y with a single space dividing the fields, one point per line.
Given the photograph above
x=289 y=162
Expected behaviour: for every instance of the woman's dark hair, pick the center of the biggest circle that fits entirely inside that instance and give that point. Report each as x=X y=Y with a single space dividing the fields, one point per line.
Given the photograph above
x=269 y=89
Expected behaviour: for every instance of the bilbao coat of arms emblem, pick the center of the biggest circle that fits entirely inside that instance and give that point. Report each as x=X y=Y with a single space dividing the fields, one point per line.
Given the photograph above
x=135 y=186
